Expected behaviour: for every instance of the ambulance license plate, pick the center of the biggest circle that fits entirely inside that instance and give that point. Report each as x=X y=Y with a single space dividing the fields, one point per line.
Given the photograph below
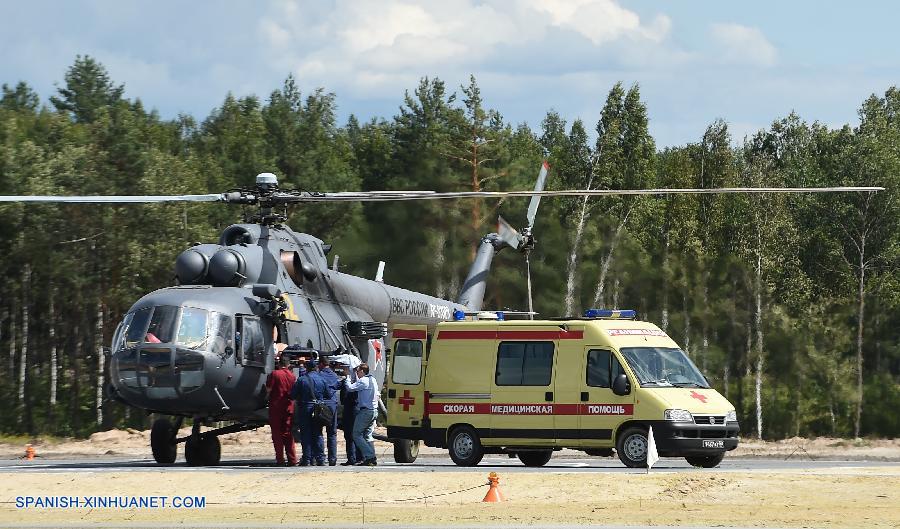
x=713 y=444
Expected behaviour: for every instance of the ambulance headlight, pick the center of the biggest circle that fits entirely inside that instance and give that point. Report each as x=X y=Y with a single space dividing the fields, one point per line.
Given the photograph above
x=678 y=416
x=731 y=416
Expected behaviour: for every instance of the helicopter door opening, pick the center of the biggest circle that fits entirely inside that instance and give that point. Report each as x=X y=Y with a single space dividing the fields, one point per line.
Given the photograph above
x=251 y=346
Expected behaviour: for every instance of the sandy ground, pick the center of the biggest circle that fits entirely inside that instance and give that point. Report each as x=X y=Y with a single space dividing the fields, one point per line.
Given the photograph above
x=257 y=443
x=865 y=498
x=846 y=497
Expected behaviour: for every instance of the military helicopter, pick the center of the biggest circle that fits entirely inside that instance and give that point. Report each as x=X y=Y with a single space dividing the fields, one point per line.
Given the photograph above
x=203 y=348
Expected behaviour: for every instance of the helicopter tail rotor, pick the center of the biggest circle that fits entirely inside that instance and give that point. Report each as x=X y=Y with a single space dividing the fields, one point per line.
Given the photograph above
x=509 y=235
x=524 y=241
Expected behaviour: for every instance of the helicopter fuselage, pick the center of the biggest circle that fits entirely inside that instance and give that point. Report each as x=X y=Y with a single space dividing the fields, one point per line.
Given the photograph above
x=204 y=348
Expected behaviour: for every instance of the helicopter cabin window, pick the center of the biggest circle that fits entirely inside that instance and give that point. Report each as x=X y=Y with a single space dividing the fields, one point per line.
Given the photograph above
x=407 y=362
x=524 y=364
x=192 y=329
x=250 y=343
x=602 y=368
x=222 y=333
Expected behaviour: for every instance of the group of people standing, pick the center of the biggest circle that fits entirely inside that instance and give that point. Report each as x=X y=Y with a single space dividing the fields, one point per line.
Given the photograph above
x=292 y=400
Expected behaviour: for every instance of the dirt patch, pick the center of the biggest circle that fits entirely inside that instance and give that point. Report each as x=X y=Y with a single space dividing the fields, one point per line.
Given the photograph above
x=288 y=496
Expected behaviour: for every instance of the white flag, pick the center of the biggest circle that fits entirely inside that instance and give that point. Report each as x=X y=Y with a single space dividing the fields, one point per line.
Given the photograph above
x=652 y=454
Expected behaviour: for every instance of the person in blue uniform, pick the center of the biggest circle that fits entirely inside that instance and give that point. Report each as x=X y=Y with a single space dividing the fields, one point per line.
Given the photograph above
x=334 y=384
x=308 y=389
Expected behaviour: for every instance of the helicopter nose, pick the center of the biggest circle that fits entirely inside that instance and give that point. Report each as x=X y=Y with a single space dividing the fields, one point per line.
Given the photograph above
x=154 y=372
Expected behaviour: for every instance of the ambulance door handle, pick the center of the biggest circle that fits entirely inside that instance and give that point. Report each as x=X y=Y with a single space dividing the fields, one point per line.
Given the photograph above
x=392 y=393
x=585 y=397
x=548 y=396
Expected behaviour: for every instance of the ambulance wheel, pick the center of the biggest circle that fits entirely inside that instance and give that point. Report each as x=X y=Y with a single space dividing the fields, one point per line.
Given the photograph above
x=406 y=451
x=535 y=459
x=162 y=442
x=706 y=461
x=202 y=451
x=632 y=447
x=465 y=446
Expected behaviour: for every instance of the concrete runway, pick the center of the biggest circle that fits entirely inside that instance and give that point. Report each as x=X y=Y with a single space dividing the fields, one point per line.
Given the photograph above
x=439 y=463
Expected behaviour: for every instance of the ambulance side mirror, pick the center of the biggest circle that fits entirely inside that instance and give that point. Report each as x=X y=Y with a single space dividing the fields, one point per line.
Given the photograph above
x=621 y=386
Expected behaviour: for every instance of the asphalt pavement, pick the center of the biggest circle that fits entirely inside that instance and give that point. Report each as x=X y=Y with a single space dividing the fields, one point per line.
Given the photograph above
x=436 y=463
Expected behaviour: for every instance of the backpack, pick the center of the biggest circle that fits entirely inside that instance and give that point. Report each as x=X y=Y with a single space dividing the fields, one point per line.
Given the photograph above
x=322 y=414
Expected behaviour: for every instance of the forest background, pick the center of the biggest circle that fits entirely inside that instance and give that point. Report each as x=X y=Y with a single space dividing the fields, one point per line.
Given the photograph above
x=788 y=303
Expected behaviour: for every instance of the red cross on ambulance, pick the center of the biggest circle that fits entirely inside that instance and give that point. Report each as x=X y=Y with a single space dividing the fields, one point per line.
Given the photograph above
x=698 y=396
x=406 y=400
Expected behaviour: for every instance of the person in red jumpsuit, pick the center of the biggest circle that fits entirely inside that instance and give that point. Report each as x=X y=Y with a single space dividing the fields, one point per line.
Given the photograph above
x=281 y=409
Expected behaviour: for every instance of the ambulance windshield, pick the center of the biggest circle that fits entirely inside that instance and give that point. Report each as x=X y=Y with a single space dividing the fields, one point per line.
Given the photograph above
x=663 y=367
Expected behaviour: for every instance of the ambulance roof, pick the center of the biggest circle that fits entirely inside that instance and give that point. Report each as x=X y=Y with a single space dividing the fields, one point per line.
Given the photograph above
x=614 y=332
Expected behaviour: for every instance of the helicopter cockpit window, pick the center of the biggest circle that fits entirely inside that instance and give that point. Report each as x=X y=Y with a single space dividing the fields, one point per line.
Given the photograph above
x=250 y=343
x=192 y=328
x=135 y=327
x=162 y=325
x=222 y=332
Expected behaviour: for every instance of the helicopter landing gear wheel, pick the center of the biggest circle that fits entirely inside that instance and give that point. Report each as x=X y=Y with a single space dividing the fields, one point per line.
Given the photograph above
x=406 y=451
x=162 y=442
x=202 y=451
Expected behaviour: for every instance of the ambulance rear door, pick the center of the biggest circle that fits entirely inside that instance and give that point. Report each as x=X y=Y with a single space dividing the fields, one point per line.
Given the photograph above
x=406 y=379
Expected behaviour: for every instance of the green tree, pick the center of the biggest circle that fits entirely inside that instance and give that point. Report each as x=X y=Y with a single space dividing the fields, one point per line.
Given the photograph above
x=88 y=89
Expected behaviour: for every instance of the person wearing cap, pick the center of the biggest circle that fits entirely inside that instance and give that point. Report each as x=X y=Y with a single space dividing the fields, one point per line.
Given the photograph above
x=281 y=407
x=308 y=389
x=333 y=383
x=366 y=387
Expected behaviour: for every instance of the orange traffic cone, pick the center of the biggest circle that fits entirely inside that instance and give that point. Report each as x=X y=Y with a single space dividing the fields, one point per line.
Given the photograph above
x=29 y=452
x=494 y=494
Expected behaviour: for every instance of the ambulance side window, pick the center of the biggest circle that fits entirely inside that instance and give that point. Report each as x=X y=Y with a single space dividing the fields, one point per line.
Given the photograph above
x=598 y=368
x=602 y=368
x=407 y=362
x=524 y=364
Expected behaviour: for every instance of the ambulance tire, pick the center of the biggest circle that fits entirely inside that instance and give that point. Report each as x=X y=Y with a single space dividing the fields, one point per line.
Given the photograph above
x=465 y=446
x=706 y=461
x=162 y=442
x=535 y=459
x=632 y=447
x=405 y=451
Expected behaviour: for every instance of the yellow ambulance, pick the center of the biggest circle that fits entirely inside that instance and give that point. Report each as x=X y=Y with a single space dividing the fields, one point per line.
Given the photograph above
x=530 y=387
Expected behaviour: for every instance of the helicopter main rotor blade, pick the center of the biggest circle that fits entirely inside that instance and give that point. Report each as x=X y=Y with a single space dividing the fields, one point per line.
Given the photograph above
x=386 y=196
x=113 y=199
x=536 y=199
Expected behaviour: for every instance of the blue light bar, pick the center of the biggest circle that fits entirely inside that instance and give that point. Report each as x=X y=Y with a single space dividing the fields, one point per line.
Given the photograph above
x=459 y=315
x=609 y=313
